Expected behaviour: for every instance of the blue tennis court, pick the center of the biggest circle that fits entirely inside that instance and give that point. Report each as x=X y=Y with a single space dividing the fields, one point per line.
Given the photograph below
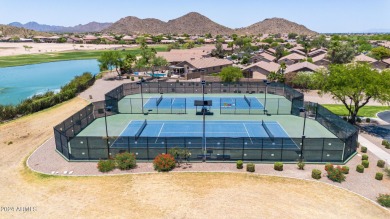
x=225 y=102
x=252 y=131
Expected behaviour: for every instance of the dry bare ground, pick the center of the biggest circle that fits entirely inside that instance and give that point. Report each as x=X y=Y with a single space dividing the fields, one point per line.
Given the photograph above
x=162 y=195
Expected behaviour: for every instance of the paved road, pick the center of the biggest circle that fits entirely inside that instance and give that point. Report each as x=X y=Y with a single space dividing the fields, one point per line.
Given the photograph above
x=381 y=154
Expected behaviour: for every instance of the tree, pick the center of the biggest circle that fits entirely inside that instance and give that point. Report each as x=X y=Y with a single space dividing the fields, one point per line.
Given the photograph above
x=159 y=62
x=230 y=74
x=380 y=52
x=319 y=41
x=279 y=51
x=340 y=53
x=354 y=85
x=218 y=51
x=110 y=59
x=303 y=80
x=128 y=62
x=276 y=76
x=292 y=35
x=189 y=45
x=208 y=36
x=200 y=41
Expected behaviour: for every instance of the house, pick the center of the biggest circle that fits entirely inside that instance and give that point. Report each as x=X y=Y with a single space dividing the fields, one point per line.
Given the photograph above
x=317 y=52
x=176 y=56
x=381 y=64
x=270 y=51
x=363 y=58
x=321 y=60
x=74 y=39
x=194 y=68
x=52 y=39
x=301 y=66
x=128 y=39
x=291 y=59
x=262 y=57
x=168 y=41
x=260 y=70
x=297 y=51
x=90 y=39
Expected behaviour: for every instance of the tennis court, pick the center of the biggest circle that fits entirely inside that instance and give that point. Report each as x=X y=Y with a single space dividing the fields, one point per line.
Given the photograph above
x=251 y=131
x=188 y=102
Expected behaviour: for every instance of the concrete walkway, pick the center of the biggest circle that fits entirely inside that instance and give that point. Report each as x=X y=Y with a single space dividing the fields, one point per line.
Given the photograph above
x=381 y=154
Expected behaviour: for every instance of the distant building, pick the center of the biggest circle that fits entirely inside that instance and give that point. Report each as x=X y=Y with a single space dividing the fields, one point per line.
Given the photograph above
x=302 y=66
x=291 y=59
x=260 y=70
x=194 y=68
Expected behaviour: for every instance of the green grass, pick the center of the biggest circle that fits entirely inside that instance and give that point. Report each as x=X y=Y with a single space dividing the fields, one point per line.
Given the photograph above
x=366 y=111
x=8 y=61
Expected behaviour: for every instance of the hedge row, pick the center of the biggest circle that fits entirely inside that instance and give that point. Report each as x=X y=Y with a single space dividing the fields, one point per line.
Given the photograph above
x=48 y=99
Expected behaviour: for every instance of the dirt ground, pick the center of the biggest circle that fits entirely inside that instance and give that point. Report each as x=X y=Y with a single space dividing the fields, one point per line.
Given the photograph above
x=10 y=49
x=171 y=195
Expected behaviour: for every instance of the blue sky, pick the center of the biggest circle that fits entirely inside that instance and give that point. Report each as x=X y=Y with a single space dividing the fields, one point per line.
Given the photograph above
x=320 y=16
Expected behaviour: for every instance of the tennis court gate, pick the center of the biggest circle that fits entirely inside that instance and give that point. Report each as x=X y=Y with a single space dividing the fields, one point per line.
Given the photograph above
x=274 y=106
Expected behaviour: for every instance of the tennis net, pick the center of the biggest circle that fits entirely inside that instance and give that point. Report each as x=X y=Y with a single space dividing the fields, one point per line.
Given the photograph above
x=158 y=101
x=271 y=136
x=140 y=130
x=247 y=100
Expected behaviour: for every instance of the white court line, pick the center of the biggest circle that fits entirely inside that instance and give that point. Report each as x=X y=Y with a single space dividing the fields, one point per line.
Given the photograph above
x=121 y=133
x=173 y=101
x=159 y=132
x=247 y=132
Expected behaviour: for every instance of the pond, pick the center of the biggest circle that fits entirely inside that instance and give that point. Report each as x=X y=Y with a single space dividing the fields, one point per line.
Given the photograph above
x=21 y=82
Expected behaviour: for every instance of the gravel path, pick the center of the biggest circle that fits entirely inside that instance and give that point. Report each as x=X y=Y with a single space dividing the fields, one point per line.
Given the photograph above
x=46 y=160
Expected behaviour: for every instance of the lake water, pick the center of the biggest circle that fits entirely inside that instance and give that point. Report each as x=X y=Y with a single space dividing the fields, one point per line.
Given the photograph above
x=21 y=82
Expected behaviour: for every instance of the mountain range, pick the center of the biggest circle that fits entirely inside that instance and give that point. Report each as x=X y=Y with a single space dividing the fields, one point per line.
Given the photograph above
x=90 y=27
x=191 y=23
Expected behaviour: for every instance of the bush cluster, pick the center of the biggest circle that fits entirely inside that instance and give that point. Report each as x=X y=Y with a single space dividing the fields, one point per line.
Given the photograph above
x=384 y=200
x=360 y=168
x=278 y=166
x=365 y=163
x=106 y=165
x=123 y=161
x=250 y=167
x=379 y=176
x=240 y=164
x=368 y=120
x=164 y=162
x=363 y=149
x=316 y=174
x=364 y=157
x=386 y=144
x=301 y=165
x=48 y=99
x=336 y=174
x=328 y=166
x=380 y=163
x=345 y=169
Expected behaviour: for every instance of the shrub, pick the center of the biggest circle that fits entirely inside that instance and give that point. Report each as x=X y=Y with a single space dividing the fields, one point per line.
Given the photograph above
x=316 y=174
x=384 y=200
x=363 y=149
x=250 y=167
x=358 y=120
x=345 y=118
x=164 y=162
x=368 y=120
x=128 y=77
x=379 y=176
x=336 y=174
x=278 y=166
x=380 y=163
x=328 y=167
x=360 y=168
x=301 y=165
x=125 y=161
x=132 y=78
x=106 y=165
x=345 y=169
x=384 y=142
x=364 y=157
x=387 y=171
x=240 y=164
x=365 y=163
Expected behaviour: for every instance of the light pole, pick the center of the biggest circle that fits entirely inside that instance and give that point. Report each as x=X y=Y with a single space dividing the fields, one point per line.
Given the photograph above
x=142 y=96
x=266 y=82
x=107 y=108
x=204 y=123
x=303 y=110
